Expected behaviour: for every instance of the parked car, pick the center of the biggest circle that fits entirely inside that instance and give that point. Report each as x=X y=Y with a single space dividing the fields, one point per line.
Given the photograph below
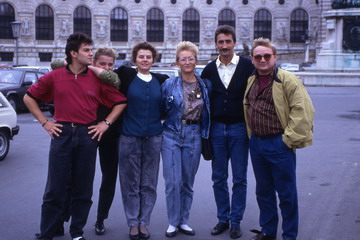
x=119 y=63
x=35 y=69
x=290 y=66
x=8 y=127
x=199 y=69
x=15 y=82
x=170 y=71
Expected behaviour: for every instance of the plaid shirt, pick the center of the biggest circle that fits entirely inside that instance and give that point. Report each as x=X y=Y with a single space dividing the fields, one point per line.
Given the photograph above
x=261 y=113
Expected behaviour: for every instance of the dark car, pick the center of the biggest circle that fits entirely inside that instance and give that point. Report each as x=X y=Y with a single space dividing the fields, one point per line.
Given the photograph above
x=15 y=82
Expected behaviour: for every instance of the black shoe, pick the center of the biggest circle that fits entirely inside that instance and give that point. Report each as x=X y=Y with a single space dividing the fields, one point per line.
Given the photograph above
x=170 y=234
x=187 y=232
x=235 y=232
x=261 y=236
x=219 y=228
x=58 y=233
x=99 y=228
x=135 y=236
x=144 y=235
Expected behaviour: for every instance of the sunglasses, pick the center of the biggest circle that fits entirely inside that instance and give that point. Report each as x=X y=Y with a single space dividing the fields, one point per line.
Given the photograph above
x=266 y=57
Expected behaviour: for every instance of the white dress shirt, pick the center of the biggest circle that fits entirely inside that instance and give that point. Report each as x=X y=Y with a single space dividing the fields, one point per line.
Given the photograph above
x=227 y=71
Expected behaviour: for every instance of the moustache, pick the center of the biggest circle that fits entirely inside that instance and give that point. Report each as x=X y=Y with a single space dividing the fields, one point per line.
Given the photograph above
x=225 y=49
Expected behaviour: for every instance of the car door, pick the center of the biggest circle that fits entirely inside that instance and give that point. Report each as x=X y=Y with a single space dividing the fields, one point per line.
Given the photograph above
x=29 y=79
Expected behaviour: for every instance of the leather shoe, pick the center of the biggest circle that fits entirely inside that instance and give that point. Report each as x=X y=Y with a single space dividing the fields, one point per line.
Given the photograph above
x=187 y=232
x=144 y=235
x=59 y=232
x=99 y=228
x=219 y=228
x=235 y=232
x=170 y=234
x=261 y=236
x=135 y=236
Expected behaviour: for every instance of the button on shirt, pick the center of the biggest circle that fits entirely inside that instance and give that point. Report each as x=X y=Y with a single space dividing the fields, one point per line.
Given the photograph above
x=227 y=71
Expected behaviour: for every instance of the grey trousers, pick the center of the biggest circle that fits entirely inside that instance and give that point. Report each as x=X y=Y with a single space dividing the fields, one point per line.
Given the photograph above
x=139 y=159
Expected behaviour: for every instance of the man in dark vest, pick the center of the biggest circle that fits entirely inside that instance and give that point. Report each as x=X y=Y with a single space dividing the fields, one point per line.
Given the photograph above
x=228 y=75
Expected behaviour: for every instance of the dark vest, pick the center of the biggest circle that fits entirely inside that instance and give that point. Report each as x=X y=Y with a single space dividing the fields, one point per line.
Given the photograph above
x=226 y=105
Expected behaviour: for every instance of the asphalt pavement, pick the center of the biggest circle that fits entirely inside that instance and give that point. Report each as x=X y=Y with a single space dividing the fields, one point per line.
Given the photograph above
x=328 y=176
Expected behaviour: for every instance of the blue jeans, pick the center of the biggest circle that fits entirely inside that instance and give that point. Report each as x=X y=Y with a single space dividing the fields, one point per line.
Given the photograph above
x=181 y=157
x=72 y=158
x=274 y=167
x=139 y=159
x=229 y=141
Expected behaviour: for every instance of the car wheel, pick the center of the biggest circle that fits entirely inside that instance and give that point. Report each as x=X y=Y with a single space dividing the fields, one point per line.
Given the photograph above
x=4 y=144
x=13 y=103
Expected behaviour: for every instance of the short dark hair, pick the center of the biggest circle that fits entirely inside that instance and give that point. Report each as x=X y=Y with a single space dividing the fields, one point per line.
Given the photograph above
x=145 y=46
x=73 y=44
x=225 y=29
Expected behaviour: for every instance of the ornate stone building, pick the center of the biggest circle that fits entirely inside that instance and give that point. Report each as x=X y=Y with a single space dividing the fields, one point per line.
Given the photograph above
x=296 y=26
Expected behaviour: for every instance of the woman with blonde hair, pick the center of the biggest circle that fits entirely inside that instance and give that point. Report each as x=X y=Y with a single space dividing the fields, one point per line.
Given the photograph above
x=187 y=120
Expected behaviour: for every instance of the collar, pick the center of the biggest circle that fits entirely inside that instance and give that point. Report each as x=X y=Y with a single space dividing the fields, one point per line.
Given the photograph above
x=82 y=73
x=234 y=60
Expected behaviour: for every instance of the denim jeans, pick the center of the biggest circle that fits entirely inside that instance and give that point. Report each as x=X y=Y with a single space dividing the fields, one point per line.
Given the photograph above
x=72 y=158
x=139 y=159
x=274 y=167
x=229 y=141
x=181 y=157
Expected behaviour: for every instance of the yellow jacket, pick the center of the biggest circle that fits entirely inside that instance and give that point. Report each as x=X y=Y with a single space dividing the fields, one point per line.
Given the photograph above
x=293 y=107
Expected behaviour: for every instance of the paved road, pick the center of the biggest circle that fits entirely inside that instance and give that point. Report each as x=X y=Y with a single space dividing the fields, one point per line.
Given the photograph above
x=328 y=182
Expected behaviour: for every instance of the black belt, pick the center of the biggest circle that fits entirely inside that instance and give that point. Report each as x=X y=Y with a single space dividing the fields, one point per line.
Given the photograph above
x=74 y=125
x=188 y=122
x=268 y=135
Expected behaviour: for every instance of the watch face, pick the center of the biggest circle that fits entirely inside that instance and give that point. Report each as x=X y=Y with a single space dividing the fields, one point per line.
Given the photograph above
x=107 y=122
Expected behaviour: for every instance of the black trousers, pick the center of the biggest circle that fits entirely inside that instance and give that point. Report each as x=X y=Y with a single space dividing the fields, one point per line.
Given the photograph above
x=72 y=158
x=108 y=152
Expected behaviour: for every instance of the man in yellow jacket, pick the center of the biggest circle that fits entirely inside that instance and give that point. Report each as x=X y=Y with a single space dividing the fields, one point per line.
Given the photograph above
x=279 y=116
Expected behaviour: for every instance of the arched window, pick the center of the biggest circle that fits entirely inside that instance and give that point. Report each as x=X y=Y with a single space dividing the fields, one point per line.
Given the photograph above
x=191 y=26
x=299 y=24
x=262 y=24
x=119 y=25
x=82 y=20
x=44 y=22
x=155 y=25
x=227 y=17
x=7 y=15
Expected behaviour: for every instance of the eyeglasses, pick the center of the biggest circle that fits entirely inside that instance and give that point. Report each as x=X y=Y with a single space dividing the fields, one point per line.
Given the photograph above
x=190 y=59
x=266 y=57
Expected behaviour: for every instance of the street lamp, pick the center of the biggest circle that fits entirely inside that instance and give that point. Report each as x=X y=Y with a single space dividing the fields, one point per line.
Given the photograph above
x=16 y=33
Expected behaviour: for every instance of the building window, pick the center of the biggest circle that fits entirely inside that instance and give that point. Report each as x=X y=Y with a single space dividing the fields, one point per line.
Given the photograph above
x=82 y=20
x=155 y=25
x=227 y=17
x=245 y=2
x=137 y=1
x=262 y=24
x=191 y=26
x=7 y=15
x=281 y=2
x=45 y=57
x=44 y=22
x=299 y=23
x=119 y=25
x=173 y=1
x=209 y=2
x=6 y=56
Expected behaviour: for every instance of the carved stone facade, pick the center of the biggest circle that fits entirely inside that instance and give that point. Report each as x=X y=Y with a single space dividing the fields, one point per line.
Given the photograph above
x=29 y=47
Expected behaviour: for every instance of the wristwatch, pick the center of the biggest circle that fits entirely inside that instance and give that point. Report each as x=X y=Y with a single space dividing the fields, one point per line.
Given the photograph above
x=107 y=122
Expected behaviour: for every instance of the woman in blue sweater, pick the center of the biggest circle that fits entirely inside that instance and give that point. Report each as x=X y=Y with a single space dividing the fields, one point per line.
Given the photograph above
x=140 y=139
x=187 y=120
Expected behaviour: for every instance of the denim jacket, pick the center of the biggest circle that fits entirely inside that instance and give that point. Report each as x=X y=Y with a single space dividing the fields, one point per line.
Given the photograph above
x=173 y=104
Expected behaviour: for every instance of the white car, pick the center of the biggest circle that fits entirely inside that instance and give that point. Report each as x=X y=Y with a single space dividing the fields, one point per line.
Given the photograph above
x=8 y=126
x=290 y=66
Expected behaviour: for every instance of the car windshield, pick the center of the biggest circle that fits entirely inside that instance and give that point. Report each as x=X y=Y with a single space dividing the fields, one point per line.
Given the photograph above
x=10 y=76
